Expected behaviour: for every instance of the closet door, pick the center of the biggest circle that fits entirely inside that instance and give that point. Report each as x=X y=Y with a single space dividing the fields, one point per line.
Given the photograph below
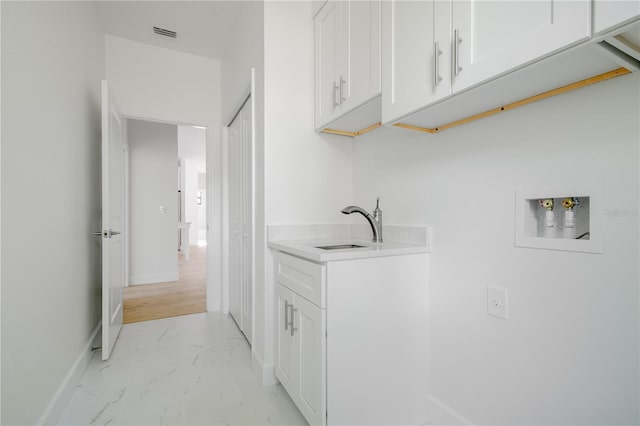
x=247 y=220
x=241 y=219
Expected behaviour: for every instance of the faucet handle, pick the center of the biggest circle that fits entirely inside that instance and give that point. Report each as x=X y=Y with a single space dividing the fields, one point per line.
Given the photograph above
x=377 y=212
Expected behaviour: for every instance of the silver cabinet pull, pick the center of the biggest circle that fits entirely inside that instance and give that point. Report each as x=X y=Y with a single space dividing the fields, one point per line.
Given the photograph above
x=335 y=89
x=293 y=329
x=436 y=64
x=286 y=315
x=114 y=233
x=342 y=83
x=97 y=234
x=456 y=51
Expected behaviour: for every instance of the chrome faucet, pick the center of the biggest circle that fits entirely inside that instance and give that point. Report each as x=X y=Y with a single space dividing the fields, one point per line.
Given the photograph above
x=375 y=221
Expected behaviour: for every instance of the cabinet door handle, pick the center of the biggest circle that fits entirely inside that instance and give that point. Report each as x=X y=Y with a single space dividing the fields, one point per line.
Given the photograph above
x=286 y=315
x=342 y=83
x=437 y=78
x=335 y=89
x=293 y=329
x=456 y=51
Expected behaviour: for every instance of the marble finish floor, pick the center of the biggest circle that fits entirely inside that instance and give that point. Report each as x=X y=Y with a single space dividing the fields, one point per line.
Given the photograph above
x=187 y=370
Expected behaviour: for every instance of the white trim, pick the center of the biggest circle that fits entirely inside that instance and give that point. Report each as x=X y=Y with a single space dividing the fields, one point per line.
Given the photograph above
x=253 y=209
x=442 y=414
x=158 y=120
x=127 y=240
x=153 y=278
x=265 y=373
x=0 y=230
x=213 y=168
x=224 y=294
x=63 y=394
x=213 y=255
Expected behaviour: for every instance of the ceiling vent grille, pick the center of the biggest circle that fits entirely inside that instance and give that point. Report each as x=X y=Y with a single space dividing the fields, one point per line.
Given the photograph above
x=165 y=32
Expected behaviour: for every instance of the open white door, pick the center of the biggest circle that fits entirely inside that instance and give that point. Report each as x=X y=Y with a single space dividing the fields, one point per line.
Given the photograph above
x=112 y=221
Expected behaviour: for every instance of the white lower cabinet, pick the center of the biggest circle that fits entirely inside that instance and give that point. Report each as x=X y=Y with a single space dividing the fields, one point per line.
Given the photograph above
x=360 y=356
x=301 y=352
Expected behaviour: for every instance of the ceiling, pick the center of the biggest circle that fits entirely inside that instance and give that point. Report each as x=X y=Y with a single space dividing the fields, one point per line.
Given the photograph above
x=203 y=27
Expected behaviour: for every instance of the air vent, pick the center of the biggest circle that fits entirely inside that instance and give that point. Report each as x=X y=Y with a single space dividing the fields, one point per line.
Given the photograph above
x=164 y=32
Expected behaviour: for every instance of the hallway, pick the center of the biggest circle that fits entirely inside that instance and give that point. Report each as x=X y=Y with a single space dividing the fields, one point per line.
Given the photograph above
x=164 y=300
x=188 y=370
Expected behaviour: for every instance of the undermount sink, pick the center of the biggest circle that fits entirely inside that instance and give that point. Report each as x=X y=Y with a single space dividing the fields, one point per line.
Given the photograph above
x=340 y=247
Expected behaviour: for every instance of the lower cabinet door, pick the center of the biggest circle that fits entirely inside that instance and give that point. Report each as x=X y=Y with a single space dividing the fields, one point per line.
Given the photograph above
x=285 y=357
x=310 y=342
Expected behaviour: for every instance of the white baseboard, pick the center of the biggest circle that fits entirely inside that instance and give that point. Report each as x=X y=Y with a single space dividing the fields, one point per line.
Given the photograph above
x=264 y=372
x=441 y=414
x=63 y=394
x=153 y=278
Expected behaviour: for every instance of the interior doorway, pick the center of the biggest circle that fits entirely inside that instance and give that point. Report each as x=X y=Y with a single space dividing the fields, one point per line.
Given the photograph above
x=166 y=220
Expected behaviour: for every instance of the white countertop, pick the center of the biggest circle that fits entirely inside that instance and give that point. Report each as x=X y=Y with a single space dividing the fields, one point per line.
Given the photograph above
x=307 y=249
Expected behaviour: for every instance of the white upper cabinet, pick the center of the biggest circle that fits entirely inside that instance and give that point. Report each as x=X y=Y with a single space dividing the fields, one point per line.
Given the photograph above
x=363 y=56
x=416 y=55
x=326 y=57
x=609 y=14
x=491 y=38
x=347 y=57
x=434 y=51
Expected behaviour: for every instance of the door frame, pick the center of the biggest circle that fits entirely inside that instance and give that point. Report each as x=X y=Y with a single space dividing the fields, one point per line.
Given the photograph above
x=208 y=201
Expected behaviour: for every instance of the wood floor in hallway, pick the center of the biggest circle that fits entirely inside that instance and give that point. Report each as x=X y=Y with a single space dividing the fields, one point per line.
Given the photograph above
x=172 y=299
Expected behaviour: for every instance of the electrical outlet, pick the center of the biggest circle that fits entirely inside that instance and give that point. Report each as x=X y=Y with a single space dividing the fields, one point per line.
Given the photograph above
x=497 y=302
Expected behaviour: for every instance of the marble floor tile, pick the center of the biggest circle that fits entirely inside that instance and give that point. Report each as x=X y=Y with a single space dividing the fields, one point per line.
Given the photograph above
x=189 y=370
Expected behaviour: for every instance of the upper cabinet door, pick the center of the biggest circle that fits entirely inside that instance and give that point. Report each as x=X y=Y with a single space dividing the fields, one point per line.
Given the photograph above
x=486 y=44
x=361 y=75
x=347 y=57
x=326 y=27
x=609 y=14
x=415 y=55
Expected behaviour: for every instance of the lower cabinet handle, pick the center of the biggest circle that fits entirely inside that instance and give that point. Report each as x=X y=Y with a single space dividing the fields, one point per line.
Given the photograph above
x=286 y=315
x=293 y=329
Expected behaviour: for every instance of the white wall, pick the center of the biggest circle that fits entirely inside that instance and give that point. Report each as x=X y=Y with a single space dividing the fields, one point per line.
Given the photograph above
x=301 y=177
x=153 y=201
x=50 y=197
x=246 y=51
x=193 y=211
x=308 y=177
x=161 y=84
x=568 y=354
x=191 y=148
